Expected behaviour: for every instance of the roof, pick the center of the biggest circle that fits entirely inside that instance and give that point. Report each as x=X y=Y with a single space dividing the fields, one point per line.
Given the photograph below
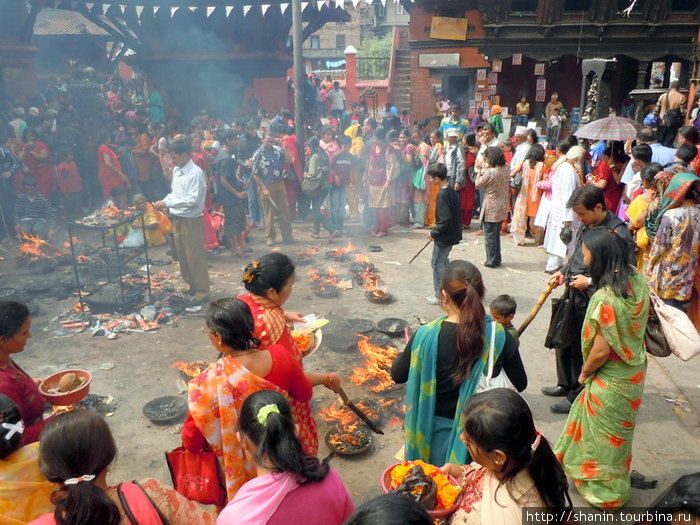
x=53 y=22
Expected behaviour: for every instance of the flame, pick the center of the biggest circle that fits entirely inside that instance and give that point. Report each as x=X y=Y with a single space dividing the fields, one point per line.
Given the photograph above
x=372 y=281
x=362 y=259
x=192 y=369
x=82 y=258
x=59 y=409
x=309 y=252
x=378 y=361
x=345 y=419
x=323 y=280
x=345 y=441
x=339 y=252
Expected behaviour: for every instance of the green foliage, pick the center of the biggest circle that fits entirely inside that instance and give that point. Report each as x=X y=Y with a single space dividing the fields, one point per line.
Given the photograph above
x=373 y=58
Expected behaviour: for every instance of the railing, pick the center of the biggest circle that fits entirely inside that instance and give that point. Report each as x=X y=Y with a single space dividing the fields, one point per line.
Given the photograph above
x=372 y=68
x=333 y=73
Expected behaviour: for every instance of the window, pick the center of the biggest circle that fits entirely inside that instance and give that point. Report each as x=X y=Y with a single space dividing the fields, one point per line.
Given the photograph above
x=379 y=10
x=315 y=42
x=576 y=5
x=400 y=9
x=684 y=5
x=340 y=41
x=524 y=6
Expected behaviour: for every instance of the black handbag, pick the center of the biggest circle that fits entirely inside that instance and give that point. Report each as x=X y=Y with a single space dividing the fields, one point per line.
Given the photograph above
x=562 y=323
x=654 y=337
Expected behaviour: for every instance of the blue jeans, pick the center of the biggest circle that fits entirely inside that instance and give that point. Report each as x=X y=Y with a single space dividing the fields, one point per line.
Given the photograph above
x=38 y=227
x=255 y=210
x=521 y=120
x=336 y=202
x=438 y=262
x=319 y=219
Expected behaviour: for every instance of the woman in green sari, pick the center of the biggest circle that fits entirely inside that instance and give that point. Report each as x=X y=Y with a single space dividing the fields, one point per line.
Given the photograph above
x=443 y=363
x=595 y=446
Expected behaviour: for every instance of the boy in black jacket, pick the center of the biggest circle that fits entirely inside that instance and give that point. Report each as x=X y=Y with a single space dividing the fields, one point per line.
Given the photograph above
x=448 y=226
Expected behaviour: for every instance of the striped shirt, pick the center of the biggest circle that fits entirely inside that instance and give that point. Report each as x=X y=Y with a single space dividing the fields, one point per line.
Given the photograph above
x=37 y=208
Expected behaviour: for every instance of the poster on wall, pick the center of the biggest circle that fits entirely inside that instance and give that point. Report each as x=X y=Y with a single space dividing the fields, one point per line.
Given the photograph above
x=539 y=96
x=517 y=59
x=449 y=28
x=480 y=75
x=493 y=78
x=487 y=113
x=541 y=84
x=496 y=66
x=539 y=69
x=472 y=104
x=504 y=112
x=477 y=96
x=492 y=89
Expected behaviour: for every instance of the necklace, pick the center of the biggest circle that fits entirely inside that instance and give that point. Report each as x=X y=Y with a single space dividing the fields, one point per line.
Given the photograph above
x=578 y=172
x=239 y=354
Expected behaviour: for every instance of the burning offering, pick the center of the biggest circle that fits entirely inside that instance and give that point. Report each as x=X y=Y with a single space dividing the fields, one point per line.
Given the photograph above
x=109 y=217
x=303 y=258
x=349 y=443
x=38 y=255
x=190 y=370
x=324 y=285
x=423 y=483
x=362 y=264
x=345 y=419
x=374 y=292
x=340 y=254
x=375 y=374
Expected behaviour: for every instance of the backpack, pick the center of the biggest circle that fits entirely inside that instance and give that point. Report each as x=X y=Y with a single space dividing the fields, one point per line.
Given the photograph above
x=673 y=118
x=313 y=183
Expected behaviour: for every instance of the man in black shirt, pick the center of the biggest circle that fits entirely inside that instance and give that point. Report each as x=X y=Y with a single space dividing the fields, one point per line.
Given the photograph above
x=231 y=192
x=588 y=202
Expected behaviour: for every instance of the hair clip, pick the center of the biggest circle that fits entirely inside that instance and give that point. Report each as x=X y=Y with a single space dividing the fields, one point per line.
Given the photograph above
x=13 y=428
x=80 y=479
x=538 y=438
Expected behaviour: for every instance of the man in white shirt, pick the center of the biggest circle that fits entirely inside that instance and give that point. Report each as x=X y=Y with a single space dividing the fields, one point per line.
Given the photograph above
x=659 y=153
x=185 y=203
x=337 y=100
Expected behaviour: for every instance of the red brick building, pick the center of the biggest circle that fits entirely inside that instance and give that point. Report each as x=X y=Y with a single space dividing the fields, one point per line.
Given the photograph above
x=535 y=47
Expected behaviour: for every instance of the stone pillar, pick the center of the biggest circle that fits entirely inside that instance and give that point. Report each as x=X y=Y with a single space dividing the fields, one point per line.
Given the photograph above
x=595 y=88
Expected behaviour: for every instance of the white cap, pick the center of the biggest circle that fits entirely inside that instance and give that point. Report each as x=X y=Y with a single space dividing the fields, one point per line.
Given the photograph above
x=216 y=144
x=521 y=130
x=452 y=132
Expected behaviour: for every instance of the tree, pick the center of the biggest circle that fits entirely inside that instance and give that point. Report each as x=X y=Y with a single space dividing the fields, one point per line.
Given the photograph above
x=373 y=57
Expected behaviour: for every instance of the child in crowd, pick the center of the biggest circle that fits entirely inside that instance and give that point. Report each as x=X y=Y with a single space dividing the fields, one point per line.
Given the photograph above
x=554 y=127
x=503 y=310
x=507 y=147
x=342 y=165
x=69 y=183
x=405 y=121
x=448 y=226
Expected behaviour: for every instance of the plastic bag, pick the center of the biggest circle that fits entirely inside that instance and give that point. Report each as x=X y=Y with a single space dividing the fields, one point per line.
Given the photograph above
x=420 y=487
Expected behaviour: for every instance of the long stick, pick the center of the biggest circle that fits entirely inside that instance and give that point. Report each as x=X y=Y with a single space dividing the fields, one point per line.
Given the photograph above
x=536 y=308
x=419 y=251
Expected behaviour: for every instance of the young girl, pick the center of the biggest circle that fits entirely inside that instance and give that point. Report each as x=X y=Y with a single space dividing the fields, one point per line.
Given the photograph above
x=513 y=465
x=75 y=453
x=290 y=487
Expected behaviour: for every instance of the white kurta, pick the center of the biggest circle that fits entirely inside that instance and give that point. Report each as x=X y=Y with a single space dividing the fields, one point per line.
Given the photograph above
x=565 y=182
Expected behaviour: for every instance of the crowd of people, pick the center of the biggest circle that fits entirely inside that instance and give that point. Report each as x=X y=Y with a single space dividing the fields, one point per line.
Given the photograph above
x=616 y=220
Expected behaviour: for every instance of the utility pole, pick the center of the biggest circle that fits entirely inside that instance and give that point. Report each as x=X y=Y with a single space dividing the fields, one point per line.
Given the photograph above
x=299 y=78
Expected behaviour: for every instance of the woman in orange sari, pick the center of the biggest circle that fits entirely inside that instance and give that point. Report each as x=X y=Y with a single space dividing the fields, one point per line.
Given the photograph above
x=217 y=394
x=435 y=156
x=525 y=209
x=269 y=282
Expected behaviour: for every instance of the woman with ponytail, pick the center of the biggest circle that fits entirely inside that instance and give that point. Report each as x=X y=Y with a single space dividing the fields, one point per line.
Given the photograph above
x=290 y=487
x=444 y=362
x=513 y=465
x=75 y=453
x=217 y=394
x=269 y=282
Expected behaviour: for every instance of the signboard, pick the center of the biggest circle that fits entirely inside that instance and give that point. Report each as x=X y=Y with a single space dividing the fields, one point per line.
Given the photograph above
x=438 y=60
x=448 y=28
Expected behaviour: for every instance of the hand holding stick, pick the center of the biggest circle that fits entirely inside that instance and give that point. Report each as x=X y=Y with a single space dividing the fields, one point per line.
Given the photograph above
x=548 y=289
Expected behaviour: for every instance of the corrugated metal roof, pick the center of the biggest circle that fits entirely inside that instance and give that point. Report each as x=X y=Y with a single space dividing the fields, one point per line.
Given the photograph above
x=52 y=22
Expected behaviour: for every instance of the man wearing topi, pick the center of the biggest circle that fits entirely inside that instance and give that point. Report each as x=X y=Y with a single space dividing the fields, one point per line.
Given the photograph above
x=185 y=203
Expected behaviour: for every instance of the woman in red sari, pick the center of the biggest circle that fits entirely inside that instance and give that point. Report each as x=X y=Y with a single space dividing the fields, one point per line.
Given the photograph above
x=269 y=282
x=466 y=194
x=110 y=169
x=37 y=159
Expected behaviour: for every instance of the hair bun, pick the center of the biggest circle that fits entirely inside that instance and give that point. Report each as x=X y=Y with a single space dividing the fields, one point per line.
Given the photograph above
x=251 y=272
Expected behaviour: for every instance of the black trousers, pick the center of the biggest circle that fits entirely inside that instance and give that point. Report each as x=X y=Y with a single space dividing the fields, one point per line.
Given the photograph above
x=569 y=358
x=492 y=242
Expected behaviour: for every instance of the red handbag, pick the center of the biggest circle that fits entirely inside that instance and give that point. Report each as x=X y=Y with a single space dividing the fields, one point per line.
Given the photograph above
x=195 y=475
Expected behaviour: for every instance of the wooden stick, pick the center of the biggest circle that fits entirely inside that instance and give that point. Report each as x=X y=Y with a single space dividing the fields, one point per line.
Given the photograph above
x=536 y=308
x=419 y=251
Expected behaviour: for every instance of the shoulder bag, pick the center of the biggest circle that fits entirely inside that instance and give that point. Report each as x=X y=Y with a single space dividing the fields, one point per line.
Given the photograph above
x=195 y=475
x=562 y=321
x=129 y=513
x=488 y=382
x=313 y=183
x=681 y=335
